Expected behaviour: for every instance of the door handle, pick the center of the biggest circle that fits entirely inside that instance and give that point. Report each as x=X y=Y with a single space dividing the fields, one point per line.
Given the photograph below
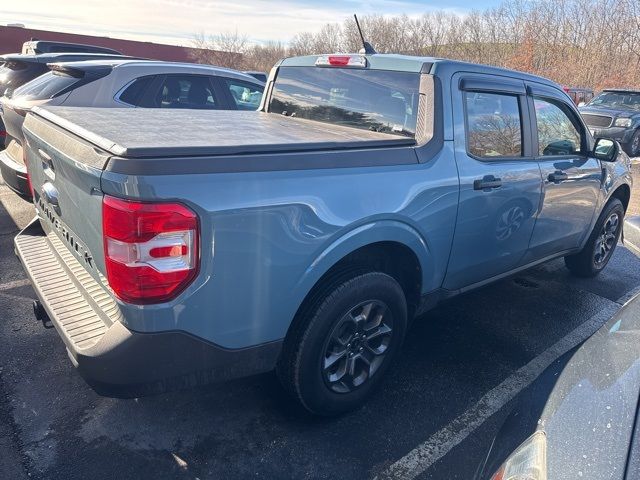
x=487 y=183
x=558 y=176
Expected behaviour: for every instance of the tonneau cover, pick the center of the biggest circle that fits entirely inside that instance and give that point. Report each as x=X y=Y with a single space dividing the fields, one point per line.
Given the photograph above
x=139 y=132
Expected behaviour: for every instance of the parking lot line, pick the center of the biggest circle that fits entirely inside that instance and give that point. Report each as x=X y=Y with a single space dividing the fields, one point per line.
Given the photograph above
x=14 y=284
x=440 y=443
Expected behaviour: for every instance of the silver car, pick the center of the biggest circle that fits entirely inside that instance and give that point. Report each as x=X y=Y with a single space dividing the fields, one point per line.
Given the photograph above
x=120 y=83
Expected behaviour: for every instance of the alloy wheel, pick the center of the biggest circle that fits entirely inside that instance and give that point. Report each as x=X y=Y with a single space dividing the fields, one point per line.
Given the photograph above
x=357 y=346
x=606 y=241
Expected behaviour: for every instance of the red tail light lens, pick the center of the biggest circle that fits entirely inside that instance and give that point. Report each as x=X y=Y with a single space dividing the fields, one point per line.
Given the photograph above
x=151 y=249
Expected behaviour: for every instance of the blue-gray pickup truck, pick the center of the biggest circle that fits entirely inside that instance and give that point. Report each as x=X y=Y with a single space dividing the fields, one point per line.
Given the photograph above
x=173 y=248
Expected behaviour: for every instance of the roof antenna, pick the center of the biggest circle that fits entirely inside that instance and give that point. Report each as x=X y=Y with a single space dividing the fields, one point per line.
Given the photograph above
x=368 y=49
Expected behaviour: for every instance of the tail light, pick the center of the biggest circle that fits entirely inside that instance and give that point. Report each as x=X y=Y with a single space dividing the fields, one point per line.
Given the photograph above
x=26 y=165
x=151 y=249
x=527 y=462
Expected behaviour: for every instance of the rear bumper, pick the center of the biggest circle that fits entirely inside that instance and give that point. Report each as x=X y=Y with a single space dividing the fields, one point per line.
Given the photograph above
x=14 y=175
x=114 y=360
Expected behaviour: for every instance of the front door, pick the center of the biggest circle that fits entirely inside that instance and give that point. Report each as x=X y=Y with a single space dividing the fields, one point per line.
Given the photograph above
x=500 y=182
x=571 y=177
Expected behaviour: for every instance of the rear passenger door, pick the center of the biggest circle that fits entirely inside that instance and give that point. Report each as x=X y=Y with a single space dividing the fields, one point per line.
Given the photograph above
x=500 y=183
x=571 y=177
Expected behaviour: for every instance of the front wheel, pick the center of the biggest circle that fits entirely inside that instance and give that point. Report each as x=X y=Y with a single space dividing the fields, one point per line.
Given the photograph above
x=339 y=349
x=634 y=145
x=601 y=243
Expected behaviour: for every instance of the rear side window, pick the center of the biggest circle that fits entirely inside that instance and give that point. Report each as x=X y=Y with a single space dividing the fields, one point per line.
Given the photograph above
x=45 y=86
x=557 y=134
x=132 y=95
x=494 y=125
x=245 y=95
x=186 y=91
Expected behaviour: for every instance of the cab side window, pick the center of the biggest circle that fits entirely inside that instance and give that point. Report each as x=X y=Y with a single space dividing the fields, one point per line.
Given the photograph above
x=494 y=125
x=557 y=133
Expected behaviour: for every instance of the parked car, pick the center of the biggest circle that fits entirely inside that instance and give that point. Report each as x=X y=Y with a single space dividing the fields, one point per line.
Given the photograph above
x=37 y=47
x=119 y=83
x=580 y=96
x=580 y=418
x=262 y=76
x=615 y=114
x=305 y=237
x=17 y=69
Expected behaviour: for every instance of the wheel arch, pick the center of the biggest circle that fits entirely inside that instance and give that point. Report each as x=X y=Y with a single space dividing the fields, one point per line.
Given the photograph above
x=623 y=193
x=391 y=247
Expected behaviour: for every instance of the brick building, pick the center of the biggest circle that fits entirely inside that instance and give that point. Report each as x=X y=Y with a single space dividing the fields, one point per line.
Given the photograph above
x=12 y=38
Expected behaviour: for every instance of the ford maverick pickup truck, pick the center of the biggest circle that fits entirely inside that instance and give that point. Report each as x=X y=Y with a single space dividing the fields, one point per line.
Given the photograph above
x=306 y=236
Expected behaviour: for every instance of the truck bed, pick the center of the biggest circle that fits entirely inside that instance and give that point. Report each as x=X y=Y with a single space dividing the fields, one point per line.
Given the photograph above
x=141 y=133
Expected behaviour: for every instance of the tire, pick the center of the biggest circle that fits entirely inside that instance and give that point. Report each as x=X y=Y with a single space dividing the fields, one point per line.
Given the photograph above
x=338 y=329
x=601 y=243
x=633 y=147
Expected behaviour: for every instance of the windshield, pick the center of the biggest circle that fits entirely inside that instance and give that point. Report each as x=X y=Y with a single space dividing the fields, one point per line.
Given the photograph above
x=45 y=86
x=381 y=101
x=624 y=100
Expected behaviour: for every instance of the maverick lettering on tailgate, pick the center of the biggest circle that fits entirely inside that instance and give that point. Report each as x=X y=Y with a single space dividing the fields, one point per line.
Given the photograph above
x=67 y=235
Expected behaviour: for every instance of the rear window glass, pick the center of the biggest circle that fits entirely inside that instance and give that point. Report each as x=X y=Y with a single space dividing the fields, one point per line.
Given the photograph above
x=45 y=86
x=381 y=101
x=15 y=74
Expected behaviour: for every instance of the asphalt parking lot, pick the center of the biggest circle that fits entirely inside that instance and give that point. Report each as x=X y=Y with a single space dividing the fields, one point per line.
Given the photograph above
x=434 y=418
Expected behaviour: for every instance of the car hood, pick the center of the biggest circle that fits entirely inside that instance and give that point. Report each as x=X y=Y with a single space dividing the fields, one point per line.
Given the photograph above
x=586 y=403
x=613 y=112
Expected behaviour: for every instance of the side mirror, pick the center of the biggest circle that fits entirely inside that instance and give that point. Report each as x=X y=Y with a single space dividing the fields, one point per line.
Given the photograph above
x=581 y=104
x=606 y=150
x=8 y=92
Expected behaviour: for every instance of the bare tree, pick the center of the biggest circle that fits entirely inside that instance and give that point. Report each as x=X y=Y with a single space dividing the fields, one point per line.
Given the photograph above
x=590 y=43
x=224 y=49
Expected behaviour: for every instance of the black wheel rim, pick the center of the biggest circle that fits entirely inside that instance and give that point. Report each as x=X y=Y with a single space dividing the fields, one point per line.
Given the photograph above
x=606 y=241
x=357 y=346
x=635 y=145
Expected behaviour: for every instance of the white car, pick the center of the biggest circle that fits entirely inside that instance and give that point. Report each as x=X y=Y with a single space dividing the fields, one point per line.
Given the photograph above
x=120 y=83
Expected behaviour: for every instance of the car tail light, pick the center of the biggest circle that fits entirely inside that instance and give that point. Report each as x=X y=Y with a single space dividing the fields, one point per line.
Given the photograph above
x=151 y=249
x=527 y=462
x=351 y=61
x=26 y=165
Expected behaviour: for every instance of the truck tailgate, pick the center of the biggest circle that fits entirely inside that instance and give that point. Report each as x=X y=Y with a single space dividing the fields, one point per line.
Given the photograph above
x=140 y=132
x=65 y=175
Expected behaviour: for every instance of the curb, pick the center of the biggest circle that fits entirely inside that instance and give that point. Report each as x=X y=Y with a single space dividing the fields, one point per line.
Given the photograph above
x=632 y=233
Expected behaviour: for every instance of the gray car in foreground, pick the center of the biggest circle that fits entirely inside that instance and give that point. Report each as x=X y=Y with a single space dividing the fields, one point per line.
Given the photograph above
x=580 y=418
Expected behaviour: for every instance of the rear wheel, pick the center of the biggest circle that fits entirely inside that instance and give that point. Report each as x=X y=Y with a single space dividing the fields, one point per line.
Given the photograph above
x=601 y=243
x=339 y=350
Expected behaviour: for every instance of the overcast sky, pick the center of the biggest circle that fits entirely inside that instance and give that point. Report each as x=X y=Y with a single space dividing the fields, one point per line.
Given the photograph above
x=176 y=21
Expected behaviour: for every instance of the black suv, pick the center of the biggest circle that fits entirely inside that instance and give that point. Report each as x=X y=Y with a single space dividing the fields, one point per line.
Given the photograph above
x=615 y=114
